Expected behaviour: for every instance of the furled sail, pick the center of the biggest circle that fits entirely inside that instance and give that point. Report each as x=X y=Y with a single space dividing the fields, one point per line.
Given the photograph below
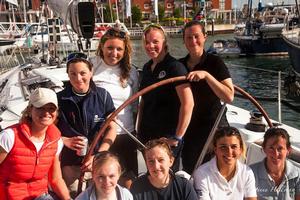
x=15 y=2
x=156 y=7
x=128 y=8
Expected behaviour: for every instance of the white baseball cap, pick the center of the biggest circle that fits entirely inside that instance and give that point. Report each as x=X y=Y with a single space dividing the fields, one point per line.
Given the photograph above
x=42 y=96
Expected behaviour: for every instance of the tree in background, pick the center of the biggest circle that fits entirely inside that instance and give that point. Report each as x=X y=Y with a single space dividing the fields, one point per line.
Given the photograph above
x=161 y=12
x=136 y=14
x=107 y=15
x=176 y=13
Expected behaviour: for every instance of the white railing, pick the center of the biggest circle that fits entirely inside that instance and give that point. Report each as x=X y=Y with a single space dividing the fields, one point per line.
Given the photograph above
x=10 y=28
x=8 y=61
x=168 y=30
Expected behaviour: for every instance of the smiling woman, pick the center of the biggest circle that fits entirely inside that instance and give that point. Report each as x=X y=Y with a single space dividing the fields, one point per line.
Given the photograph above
x=30 y=152
x=106 y=173
x=113 y=71
x=83 y=108
x=163 y=113
x=277 y=177
x=224 y=176
x=160 y=182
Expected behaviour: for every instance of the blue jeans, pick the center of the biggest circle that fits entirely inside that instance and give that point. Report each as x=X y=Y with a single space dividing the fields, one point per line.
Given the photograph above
x=47 y=196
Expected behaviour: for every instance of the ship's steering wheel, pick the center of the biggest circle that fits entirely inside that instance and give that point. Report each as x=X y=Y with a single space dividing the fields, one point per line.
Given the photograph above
x=144 y=91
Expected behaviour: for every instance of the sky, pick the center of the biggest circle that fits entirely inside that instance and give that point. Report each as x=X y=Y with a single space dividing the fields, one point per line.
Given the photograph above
x=239 y=3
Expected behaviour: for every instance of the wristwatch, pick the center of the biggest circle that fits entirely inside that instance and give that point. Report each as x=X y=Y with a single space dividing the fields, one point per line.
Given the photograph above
x=175 y=137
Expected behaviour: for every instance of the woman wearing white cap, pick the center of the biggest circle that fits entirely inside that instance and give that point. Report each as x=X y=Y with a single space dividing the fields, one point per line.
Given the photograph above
x=29 y=152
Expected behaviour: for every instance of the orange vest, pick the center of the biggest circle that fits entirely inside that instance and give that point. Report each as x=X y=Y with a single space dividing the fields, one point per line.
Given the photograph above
x=24 y=171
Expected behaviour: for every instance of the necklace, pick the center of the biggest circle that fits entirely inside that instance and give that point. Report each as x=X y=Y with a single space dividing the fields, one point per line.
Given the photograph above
x=80 y=94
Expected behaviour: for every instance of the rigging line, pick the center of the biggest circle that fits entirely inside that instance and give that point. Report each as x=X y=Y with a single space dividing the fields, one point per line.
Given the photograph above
x=270 y=99
x=130 y=134
x=290 y=105
x=4 y=108
x=298 y=74
x=255 y=68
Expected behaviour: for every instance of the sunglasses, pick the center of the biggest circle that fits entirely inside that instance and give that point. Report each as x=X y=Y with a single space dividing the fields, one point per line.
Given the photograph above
x=115 y=33
x=157 y=26
x=76 y=55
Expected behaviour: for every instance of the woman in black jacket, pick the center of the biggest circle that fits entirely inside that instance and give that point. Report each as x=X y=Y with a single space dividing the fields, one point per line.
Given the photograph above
x=83 y=109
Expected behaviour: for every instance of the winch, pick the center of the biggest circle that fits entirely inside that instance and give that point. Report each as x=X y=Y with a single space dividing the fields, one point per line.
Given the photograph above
x=256 y=122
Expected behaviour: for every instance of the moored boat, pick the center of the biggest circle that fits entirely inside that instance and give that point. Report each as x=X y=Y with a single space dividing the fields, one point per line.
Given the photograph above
x=5 y=42
x=292 y=39
x=262 y=35
x=291 y=36
x=225 y=48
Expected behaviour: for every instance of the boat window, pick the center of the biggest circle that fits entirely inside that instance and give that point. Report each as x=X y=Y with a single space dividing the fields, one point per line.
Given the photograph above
x=217 y=45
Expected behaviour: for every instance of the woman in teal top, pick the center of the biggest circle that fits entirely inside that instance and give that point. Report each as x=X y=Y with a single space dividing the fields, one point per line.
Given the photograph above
x=275 y=176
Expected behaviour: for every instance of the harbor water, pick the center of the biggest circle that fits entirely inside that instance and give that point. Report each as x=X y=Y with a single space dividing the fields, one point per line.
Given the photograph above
x=256 y=75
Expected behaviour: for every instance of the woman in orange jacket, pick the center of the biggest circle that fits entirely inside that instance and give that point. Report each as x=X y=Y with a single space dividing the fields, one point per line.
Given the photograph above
x=29 y=152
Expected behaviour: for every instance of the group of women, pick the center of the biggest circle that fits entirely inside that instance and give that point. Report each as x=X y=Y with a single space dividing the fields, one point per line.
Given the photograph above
x=173 y=121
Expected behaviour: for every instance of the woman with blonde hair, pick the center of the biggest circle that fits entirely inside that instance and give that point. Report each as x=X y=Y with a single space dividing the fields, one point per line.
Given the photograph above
x=166 y=111
x=106 y=173
x=29 y=152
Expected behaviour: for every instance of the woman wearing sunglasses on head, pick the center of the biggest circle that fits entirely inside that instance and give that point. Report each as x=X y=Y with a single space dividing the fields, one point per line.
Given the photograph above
x=114 y=72
x=224 y=176
x=29 y=152
x=164 y=112
x=275 y=176
x=83 y=109
x=160 y=182
x=106 y=173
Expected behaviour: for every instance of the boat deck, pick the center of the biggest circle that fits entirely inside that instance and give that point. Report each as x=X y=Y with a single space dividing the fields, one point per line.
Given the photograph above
x=238 y=117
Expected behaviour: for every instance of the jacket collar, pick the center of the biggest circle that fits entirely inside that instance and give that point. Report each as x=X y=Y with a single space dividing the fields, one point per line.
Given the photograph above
x=67 y=92
x=52 y=132
x=165 y=60
x=290 y=170
x=202 y=60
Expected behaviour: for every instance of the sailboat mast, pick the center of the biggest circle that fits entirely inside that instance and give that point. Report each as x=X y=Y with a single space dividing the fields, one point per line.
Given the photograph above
x=111 y=14
x=25 y=16
x=297 y=9
x=128 y=10
x=249 y=9
x=14 y=17
x=117 y=9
